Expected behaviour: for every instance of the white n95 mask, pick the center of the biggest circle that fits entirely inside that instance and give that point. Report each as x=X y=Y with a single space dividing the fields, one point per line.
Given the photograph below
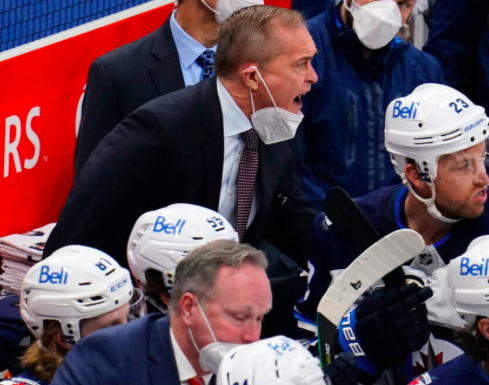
x=375 y=23
x=211 y=355
x=274 y=124
x=225 y=8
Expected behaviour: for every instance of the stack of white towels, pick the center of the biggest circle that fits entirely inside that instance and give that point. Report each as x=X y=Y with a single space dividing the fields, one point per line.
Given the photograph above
x=18 y=252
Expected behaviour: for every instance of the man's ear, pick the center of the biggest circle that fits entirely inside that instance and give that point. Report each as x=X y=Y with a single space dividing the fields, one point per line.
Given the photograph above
x=165 y=298
x=188 y=308
x=420 y=186
x=483 y=326
x=60 y=340
x=250 y=77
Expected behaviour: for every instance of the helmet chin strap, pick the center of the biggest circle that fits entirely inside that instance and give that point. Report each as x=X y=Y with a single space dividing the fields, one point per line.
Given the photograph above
x=430 y=203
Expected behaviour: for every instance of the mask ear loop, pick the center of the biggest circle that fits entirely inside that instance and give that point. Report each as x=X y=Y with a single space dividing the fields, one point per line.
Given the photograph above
x=208 y=326
x=208 y=6
x=266 y=87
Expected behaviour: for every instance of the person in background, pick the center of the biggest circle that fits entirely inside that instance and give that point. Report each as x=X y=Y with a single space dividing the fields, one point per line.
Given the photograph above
x=459 y=40
x=178 y=54
x=361 y=67
x=66 y=297
x=219 y=298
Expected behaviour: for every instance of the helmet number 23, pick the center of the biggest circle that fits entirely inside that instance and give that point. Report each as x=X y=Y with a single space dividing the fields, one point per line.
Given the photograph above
x=458 y=105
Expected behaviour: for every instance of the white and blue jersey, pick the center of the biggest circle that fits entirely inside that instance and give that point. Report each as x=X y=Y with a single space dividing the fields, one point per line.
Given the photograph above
x=24 y=378
x=461 y=370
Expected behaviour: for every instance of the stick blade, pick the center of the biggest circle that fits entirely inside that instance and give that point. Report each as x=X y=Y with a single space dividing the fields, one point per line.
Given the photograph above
x=373 y=264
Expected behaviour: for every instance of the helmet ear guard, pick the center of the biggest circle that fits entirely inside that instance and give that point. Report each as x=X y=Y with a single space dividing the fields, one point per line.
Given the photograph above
x=432 y=121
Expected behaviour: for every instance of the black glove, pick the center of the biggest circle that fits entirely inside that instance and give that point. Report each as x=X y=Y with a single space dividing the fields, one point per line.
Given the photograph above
x=392 y=323
x=342 y=371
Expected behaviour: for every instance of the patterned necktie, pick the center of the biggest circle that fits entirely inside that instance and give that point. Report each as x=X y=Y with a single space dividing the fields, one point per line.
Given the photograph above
x=196 y=381
x=248 y=167
x=206 y=61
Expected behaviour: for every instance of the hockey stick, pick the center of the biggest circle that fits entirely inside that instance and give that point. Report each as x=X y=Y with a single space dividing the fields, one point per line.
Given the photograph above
x=350 y=222
x=373 y=264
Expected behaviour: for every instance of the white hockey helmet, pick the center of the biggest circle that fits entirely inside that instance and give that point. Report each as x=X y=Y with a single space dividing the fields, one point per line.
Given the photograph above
x=273 y=361
x=74 y=283
x=468 y=281
x=432 y=121
x=160 y=239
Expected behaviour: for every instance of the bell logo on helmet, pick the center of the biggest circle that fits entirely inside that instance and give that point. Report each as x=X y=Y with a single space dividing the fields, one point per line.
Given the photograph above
x=475 y=269
x=404 y=112
x=168 y=228
x=54 y=277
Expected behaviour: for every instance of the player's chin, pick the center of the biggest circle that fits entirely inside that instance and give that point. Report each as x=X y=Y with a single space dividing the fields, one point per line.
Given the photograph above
x=475 y=211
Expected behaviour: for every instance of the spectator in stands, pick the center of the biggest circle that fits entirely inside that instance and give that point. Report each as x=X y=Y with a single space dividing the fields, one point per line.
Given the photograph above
x=178 y=54
x=436 y=140
x=220 y=294
x=204 y=150
x=459 y=39
x=361 y=67
x=66 y=297
x=153 y=251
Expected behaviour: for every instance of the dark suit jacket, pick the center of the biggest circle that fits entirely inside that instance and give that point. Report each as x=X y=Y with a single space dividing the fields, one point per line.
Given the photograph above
x=123 y=80
x=139 y=352
x=171 y=150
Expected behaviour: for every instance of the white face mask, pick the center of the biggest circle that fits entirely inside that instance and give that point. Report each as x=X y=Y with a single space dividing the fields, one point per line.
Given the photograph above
x=225 y=8
x=274 y=124
x=375 y=23
x=211 y=355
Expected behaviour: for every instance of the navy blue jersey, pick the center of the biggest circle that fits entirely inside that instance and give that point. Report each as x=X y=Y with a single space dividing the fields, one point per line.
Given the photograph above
x=385 y=210
x=462 y=370
x=341 y=139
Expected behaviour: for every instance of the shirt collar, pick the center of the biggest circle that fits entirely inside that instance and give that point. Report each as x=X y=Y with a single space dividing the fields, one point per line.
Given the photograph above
x=185 y=369
x=188 y=48
x=234 y=120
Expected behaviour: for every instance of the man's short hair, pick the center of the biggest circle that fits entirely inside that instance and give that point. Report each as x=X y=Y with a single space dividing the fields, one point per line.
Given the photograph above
x=246 y=36
x=197 y=272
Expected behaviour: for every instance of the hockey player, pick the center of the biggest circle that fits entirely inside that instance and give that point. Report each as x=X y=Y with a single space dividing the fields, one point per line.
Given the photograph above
x=67 y=296
x=467 y=285
x=160 y=239
x=436 y=139
x=277 y=361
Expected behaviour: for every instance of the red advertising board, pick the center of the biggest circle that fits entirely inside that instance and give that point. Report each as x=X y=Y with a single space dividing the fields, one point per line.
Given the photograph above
x=41 y=85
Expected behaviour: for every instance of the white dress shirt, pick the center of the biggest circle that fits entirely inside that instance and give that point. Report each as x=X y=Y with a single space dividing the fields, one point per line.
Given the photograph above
x=185 y=369
x=235 y=123
x=189 y=50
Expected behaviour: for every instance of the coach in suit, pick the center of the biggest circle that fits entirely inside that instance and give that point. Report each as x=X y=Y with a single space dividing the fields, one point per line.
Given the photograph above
x=192 y=146
x=222 y=282
x=178 y=54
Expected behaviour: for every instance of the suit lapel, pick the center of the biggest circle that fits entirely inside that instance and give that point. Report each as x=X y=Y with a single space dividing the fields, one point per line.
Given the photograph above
x=166 y=73
x=214 y=143
x=163 y=368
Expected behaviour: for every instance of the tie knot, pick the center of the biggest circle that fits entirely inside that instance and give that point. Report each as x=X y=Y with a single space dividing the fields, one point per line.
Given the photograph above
x=206 y=61
x=250 y=138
